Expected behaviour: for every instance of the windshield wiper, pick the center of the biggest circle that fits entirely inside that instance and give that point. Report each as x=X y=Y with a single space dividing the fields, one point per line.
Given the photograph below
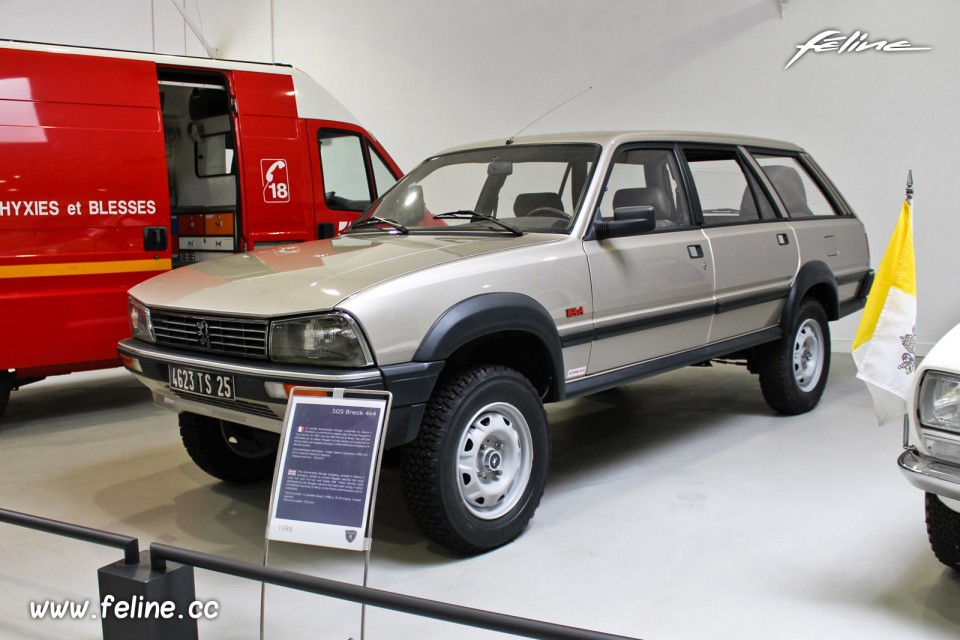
x=378 y=220
x=473 y=214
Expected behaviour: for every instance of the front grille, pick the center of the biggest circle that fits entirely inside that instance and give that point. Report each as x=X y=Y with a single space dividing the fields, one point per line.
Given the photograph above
x=230 y=336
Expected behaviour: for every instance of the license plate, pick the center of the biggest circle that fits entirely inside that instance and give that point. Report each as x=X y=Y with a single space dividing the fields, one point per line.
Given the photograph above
x=212 y=385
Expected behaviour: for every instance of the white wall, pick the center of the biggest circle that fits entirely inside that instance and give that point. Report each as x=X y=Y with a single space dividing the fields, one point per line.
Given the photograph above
x=426 y=74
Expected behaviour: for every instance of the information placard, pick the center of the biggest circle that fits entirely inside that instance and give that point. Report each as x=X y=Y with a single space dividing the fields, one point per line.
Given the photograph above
x=323 y=487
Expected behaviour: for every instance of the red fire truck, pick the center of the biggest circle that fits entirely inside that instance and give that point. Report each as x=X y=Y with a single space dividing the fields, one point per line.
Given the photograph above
x=116 y=166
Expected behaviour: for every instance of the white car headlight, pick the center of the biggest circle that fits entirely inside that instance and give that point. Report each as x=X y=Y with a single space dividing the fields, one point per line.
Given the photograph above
x=332 y=339
x=940 y=401
x=141 y=327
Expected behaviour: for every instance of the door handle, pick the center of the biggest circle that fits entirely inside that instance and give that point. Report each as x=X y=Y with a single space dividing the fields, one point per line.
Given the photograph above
x=695 y=251
x=783 y=239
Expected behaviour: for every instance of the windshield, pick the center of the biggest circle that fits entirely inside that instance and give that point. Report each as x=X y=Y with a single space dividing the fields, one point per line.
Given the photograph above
x=510 y=189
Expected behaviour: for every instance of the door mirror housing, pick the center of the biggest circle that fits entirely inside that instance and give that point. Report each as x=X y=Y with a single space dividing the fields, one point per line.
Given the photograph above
x=627 y=221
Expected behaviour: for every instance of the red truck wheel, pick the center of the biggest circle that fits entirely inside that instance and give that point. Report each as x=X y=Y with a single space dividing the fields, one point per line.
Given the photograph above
x=6 y=385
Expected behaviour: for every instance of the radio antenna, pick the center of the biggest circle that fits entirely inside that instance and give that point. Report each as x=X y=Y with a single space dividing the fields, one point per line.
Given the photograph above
x=197 y=31
x=510 y=139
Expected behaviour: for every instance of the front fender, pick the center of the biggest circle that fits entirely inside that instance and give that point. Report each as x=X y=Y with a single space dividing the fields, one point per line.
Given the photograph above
x=487 y=314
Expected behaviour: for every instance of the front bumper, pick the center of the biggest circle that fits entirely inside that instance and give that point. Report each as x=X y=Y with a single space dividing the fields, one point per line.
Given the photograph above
x=933 y=476
x=256 y=403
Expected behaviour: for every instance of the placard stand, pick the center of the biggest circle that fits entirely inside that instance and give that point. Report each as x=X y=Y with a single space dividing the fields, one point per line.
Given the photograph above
x=325 y=483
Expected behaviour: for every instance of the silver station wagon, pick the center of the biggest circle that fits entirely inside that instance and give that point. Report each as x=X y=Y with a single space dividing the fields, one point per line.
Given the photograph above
x=495 y=278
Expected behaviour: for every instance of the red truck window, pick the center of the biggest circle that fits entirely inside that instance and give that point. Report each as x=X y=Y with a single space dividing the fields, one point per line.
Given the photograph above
x=353 y=173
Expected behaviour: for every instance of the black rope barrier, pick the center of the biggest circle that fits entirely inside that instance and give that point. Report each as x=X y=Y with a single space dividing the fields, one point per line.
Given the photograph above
x=524 y=627
x=130 y=546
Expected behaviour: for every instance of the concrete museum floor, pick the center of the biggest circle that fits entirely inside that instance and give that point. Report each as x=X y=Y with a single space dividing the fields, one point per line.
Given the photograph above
x=678 y=508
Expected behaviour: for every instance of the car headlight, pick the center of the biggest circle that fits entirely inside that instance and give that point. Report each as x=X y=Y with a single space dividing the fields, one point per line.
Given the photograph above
x=332 y=339
x=940 y=401
x=141 y=327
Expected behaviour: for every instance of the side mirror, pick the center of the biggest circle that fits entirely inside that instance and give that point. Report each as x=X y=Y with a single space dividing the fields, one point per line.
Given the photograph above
x=627 y=221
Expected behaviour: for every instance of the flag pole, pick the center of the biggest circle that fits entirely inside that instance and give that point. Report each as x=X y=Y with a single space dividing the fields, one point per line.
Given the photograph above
x=885 y=343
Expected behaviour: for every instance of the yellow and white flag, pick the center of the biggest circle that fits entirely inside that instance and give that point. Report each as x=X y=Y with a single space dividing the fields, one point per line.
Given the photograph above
x=883 y=349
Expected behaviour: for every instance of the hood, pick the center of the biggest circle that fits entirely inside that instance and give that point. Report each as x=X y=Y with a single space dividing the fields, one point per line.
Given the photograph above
x=313 y=276
x=945 y=354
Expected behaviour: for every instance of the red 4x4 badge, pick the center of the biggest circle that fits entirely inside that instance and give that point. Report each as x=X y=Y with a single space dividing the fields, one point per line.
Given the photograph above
x=276 y=185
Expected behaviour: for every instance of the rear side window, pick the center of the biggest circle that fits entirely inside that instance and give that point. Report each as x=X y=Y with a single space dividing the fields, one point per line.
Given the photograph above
x=798 y=191
x=728 y=194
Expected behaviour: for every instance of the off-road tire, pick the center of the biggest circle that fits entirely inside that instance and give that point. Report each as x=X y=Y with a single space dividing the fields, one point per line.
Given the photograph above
x=943 y=529
x=251 y=455
x=787 y=384
x=449 y=474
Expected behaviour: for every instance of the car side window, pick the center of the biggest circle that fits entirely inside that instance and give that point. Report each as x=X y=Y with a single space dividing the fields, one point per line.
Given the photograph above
x=728 y=194
x=800 y=194
x=646 y=177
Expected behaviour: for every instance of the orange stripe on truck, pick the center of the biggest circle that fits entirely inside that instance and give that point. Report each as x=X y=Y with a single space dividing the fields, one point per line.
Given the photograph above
x=83 y=268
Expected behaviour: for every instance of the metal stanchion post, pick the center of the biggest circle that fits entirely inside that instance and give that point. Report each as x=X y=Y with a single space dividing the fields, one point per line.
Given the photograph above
x=144 y=602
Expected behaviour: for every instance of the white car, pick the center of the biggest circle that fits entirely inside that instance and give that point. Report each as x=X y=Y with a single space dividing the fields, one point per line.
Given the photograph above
x=931 y=461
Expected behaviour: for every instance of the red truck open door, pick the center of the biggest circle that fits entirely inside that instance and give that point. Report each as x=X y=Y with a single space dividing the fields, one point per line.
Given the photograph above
x=116 y=166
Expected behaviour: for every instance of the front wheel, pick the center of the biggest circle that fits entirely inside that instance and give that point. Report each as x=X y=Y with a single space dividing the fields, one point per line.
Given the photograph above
x=793 y=370
x=943 y=529
x=229 y=451
x=473 y=477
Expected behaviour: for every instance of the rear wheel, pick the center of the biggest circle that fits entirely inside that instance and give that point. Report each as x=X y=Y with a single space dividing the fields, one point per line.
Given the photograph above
x=474 y=476
x=229 y=451
x=943 y=529
x=793 y=370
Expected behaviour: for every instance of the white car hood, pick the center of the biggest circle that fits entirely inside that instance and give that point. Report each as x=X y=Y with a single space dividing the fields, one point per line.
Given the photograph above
x=945 y=354
x=312 y=276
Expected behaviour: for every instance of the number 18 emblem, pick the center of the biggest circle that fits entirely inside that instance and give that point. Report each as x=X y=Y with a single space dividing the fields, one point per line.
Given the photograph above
x=276 y=185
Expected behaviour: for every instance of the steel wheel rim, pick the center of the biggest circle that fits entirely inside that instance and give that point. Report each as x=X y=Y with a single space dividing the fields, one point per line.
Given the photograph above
x=808 y=355
x=494 y=461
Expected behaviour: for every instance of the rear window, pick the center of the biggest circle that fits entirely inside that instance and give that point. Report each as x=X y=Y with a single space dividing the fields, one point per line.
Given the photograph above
x=728 y=193
x=798 y=191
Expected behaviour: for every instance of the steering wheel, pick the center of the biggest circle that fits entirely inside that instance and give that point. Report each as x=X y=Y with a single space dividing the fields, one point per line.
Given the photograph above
x=546 y=212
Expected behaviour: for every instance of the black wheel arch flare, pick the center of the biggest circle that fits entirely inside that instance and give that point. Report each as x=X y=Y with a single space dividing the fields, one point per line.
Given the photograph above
x=488 y=314
x=815 y=274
